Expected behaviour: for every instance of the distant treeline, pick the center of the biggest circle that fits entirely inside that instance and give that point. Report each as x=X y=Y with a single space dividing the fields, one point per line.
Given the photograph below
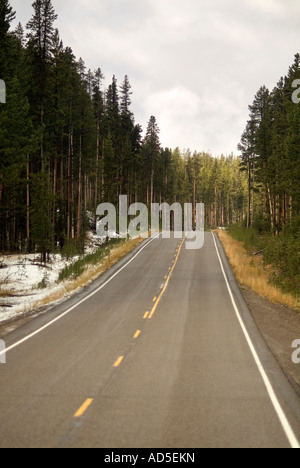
x=67 y=145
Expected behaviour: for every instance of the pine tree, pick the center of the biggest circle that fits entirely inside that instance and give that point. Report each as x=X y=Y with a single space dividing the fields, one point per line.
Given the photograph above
x=19 y=33
x=247 y=148
x=110 y=172
x=272 y=135
x=125 y=99
x=41 y=37
x=151 y=148
x=66 y=145
x=42 y=29
x=292 y=141
x=16 y=138
x=16 y=141
x=7 y=15
x=98 y=105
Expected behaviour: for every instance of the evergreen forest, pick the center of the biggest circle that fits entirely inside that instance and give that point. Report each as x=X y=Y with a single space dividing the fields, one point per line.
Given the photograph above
x=68 y=143
x=270 y=149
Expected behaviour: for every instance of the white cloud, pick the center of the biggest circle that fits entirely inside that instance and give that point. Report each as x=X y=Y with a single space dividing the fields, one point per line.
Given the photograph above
x=175 y=109
x=273 y=8
x=202 y=121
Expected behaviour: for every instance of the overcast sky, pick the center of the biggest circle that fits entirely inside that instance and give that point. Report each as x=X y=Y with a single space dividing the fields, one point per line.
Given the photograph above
x=194 y=64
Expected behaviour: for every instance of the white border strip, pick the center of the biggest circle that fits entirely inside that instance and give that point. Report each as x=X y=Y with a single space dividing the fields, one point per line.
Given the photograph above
x=18 y=343
x=282 y=417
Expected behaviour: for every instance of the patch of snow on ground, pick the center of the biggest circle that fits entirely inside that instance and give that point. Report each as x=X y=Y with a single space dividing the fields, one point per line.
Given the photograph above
x=25 y=281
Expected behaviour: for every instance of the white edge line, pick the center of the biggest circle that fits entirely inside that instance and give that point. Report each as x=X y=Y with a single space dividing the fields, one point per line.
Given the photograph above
x=280 y=413
x=44 y=327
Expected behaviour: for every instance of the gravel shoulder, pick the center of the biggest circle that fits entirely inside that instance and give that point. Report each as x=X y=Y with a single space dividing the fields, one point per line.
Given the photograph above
x=279 y=326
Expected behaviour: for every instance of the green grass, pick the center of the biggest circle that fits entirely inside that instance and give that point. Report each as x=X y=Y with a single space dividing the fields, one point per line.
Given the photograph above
x=76 y=269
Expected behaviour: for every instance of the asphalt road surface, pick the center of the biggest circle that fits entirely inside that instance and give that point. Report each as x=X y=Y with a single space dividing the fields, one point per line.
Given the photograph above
x=161 y=352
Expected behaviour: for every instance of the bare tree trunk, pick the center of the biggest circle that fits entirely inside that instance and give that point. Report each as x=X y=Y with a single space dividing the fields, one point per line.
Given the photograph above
x=270 y=206
x=54 y=193
x=194 y=205
x=277 y=214
x=253 y=185
x=1 y=188
x=27 y=202
x=152 y=179
x=79 y=201
x=215 y=207
x=68 y=193
x=147 y=195
x=249 y=197
x=97 y=166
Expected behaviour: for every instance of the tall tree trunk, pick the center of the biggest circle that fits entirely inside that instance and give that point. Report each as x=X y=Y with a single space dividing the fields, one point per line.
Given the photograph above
x=249 y=196
x=54 y=194
x=270 y=207
x=152 y=191
x=28 y=203
x=97 y=166
x=253 y=193
x=1 y=188
x=194 y=205
x=79 y=201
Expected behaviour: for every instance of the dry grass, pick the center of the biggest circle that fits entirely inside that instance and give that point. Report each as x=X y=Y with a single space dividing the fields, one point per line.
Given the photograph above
x=6 y=292
x=91 y=273
x=250 y=271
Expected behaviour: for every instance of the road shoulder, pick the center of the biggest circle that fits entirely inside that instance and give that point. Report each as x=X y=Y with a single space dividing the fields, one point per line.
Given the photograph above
x=279 y=326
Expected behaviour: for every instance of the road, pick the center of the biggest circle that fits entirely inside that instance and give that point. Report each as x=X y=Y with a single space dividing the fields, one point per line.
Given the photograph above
x=161 y=352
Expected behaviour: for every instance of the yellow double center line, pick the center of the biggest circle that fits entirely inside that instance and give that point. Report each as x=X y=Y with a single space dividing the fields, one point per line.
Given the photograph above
x=82 y=410
x=167 y=281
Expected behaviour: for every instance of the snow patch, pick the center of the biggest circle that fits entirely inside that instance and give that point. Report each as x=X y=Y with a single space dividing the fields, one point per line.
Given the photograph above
x=24 y=281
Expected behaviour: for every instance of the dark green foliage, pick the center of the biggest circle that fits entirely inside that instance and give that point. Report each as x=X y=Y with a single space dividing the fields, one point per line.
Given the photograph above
x=77 y=268
x=281 y=252
x=7 y=15
x=67 y=145
x=270 y=148
x=69 y=249
x=63 y=147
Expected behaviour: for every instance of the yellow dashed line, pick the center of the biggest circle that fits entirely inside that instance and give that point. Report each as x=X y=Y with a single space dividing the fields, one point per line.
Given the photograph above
x=83 y=408
x=171 y=269
x=118 y=361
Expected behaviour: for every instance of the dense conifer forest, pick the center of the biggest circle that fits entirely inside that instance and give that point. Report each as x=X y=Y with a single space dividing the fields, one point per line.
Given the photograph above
x=67 y=143
x=270 y=148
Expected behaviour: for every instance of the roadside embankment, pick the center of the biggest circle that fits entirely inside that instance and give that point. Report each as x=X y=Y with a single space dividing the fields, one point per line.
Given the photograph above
x=276 y=314
x=251 y=271
x=26 y=285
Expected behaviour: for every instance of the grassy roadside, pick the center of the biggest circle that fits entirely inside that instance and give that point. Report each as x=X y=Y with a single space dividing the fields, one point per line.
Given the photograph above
x=250 y=270
x=87 y=270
